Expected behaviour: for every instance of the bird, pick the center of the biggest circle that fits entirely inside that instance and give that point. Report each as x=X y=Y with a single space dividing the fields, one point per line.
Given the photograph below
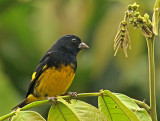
x=55 y=71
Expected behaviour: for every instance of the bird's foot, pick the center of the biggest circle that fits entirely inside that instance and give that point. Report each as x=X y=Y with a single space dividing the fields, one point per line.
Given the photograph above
x=53 y=100
x=71 y=94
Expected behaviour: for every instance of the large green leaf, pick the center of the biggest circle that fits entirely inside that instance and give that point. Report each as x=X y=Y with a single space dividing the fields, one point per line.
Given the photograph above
x=118 y=107
x=140 y=112
x=27 y=116
x=74 y=111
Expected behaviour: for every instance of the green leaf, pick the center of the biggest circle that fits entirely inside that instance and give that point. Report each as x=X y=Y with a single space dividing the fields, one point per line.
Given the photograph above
x=62 y=112
x=114 y=109
x=87 y=112
x=74 y=111
x=155 y=18
x=140 y=112
x=118 y=107
x=27 y=116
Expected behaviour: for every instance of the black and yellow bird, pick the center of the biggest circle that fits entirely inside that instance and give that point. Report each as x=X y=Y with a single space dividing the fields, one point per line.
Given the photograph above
x=56 y=70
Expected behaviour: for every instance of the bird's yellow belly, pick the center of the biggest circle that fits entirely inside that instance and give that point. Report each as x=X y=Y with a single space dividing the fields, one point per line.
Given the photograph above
x=54 y=81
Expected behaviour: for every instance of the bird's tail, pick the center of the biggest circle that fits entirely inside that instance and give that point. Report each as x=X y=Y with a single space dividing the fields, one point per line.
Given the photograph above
x=20 y=105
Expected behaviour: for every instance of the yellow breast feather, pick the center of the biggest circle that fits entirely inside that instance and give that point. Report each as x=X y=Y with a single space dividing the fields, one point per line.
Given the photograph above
x=54 y=81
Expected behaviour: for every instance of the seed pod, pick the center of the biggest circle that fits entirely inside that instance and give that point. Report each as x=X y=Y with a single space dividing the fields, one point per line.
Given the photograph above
x=146 y=31
x=136 y=14
x=122 y=38
x=135 y=7
x=129 y=7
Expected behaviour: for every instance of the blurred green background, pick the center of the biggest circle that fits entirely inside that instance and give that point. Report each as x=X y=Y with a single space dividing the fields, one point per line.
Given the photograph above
x=28 y=28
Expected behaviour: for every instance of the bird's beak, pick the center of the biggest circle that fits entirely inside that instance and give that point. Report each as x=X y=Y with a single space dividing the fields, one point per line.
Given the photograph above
x=83 y=46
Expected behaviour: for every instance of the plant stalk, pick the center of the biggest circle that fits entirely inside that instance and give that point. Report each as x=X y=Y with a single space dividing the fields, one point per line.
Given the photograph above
x=150 y=44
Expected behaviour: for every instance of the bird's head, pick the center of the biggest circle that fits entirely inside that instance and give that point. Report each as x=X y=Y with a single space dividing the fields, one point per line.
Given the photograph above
x=70 y=43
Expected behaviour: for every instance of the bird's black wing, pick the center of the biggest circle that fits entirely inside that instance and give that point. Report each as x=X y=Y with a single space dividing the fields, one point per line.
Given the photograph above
x=40 y=68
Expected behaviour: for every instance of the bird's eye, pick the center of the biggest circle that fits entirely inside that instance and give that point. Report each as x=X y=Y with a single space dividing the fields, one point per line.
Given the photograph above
x=74 y=40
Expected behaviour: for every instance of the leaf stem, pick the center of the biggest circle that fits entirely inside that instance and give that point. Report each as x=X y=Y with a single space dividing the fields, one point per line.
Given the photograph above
x=7 y=116
x=142 y=105
x=150 y=44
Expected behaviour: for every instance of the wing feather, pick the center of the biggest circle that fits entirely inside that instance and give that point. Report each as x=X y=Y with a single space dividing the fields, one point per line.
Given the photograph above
x=38 y=71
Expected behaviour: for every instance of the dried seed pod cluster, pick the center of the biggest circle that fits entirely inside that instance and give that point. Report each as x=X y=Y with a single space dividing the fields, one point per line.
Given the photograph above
x=133 y=17
x=122 y=38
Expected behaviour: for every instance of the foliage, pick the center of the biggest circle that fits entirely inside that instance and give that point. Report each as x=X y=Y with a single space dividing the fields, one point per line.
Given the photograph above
x=112 y=107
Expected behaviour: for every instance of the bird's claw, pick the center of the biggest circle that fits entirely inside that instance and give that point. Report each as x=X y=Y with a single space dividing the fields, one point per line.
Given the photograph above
x=53 y=100
x=72 y=94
